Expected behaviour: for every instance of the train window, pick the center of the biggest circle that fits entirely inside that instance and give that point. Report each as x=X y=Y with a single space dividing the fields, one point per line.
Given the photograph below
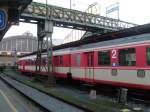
x=27 y=61
x=90 y=59
x=127 y=57
x=34 y=62
x=140 y=73
x=61 y=60
x=31 y=62
x=78 y=59
x=148 y=56
x=43 y=60
x=104 y=58
x=56 y=60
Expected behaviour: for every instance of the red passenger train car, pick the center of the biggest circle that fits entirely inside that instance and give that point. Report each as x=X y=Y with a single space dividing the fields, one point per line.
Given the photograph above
x=122 y=62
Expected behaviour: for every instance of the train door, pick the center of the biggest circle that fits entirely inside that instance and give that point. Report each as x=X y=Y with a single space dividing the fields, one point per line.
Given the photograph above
x=89 y=73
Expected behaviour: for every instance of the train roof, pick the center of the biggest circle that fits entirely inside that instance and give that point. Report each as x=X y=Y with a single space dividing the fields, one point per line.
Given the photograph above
x=136 y=40
x=141 y=29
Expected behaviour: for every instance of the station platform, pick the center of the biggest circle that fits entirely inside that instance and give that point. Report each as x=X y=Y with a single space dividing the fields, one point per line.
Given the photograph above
x=12 y=101
x=47 y=102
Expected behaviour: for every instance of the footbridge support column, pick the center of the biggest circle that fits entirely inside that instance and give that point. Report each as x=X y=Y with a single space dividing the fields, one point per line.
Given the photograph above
x=49 y=45
x=44 y=32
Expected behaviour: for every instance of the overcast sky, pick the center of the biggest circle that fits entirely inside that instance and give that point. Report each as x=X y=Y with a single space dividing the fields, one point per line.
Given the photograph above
x=135 y=11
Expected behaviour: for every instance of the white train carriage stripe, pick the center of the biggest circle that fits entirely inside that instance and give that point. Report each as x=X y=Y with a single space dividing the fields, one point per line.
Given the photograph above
x=124 y=76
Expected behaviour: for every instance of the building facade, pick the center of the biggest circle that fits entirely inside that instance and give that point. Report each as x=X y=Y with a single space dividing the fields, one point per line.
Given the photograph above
x=14 y=46
x=22 y=44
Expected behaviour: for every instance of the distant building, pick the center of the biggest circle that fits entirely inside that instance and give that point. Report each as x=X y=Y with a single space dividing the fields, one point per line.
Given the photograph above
x=13 y=46
x=22 y=44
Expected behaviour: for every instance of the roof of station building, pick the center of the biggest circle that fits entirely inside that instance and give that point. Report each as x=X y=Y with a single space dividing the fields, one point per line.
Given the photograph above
x=19 y=37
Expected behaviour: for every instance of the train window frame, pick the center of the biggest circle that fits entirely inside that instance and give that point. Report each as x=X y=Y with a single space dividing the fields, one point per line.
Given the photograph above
x=61 y=60
x=78 y=60
x=101 y=59
x=128 y=54
x=90 y=59
x=141 y=73
x=56 y=60
x=148 y=57
x=44 y=61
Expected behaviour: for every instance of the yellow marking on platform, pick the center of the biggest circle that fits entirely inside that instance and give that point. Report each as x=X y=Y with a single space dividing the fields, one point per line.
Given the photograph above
x=8 y=101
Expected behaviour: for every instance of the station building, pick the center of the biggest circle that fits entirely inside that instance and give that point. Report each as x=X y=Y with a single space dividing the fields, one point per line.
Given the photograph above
x=11 y=47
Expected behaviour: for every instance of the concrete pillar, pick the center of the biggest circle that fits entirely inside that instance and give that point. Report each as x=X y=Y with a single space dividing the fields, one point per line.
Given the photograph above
x=16 y=44
x=27 y=45
x=21 y=42
x=93 y=94
x=6 y=45
x=11 y=46
x=31 y=45
x=122 y=95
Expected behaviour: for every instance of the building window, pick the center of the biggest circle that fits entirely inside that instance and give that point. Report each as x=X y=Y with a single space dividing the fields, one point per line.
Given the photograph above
x=148 y=56
x=61 y=60
x=78 y=59
x=104 y=58
x=127 y=57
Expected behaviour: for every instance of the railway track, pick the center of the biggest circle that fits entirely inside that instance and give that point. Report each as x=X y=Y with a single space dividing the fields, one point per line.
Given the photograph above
x=61 y=105
x=139 y=100
x=12 y=101
x=111 y=94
